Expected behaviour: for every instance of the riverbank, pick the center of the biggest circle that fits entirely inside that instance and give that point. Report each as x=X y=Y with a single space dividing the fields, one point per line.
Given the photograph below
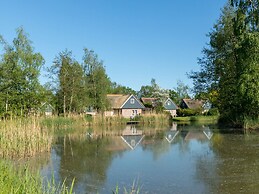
x=196 y=119
x=22 y=180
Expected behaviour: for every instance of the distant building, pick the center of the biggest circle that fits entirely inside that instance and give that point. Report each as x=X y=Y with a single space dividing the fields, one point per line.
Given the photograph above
x=195 y=104
x=127 y=106
x=191 y=104
x=170 y=106
x=149 y=103
x=47 y=109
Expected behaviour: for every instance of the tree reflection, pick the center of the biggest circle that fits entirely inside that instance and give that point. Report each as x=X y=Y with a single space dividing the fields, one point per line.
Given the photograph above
x=234 y=166
x=84 y=159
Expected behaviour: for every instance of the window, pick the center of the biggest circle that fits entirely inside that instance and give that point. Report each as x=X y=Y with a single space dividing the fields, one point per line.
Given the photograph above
x=168 y=103
x=132 y=101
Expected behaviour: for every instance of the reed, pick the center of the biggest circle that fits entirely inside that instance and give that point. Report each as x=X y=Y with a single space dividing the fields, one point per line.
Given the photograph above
x=154 y=119
x=21 y=180
x=23 y=138
x=100 y=120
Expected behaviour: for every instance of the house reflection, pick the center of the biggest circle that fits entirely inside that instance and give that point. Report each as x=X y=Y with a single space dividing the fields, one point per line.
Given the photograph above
x=204 y=134
x=188 y=133
x=172 y=133
x=208 y=133
x=131 y=136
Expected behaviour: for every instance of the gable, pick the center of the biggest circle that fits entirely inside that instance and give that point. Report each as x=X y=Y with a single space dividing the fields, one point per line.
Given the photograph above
x=170 y=105
x=191 y=104
x=132 y=103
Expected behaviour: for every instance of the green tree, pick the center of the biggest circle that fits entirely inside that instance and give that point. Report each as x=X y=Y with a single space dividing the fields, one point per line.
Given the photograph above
x=71 y=83
x=181 y=91
x=20 y=67
x=230 y=66
x=98 y=82
x=119 y=89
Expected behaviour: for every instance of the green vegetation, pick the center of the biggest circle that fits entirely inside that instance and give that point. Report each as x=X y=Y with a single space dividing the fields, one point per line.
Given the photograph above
x=229 y=74
x=20 y=180
x=154 y=119
x=196 y=119
x=23 y=138
x=135 y=189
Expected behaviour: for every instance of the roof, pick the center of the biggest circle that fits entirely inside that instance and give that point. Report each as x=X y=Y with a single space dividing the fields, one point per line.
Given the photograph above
x=148 y=100
x=117 y=100
x=193 y=104
x=170 y=105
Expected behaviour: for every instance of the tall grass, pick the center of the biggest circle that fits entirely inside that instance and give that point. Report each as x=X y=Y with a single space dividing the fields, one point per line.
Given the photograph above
x=108 y=120
x=154 y=119
x=23 y=138
x=20 y=180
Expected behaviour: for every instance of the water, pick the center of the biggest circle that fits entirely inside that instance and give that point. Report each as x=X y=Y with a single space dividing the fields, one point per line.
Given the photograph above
x=175 y=159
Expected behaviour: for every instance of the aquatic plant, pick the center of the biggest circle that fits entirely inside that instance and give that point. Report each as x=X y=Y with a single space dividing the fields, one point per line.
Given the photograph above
x=21 y=180
x=23 y=138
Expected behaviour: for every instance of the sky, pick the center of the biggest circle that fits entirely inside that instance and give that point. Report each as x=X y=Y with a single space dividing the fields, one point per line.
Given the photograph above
x=137 y=39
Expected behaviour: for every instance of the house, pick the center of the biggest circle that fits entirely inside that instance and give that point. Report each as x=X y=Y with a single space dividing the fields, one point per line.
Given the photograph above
x=127 y=106
x=191 y=104
x=196 y=104
x=149 y=103
x=47 y=109
x=170 y=106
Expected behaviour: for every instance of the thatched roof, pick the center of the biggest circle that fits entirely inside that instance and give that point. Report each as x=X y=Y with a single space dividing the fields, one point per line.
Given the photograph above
x=117 y=100
x=151 y=101
x=193 y=104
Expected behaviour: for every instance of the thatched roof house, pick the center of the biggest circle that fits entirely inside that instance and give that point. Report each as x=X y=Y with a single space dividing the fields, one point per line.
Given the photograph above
x=127 y=106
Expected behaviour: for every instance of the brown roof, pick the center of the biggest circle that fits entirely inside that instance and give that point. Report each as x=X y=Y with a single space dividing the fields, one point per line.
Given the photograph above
x=149 y=100
x=117 y=100
x=193 y=104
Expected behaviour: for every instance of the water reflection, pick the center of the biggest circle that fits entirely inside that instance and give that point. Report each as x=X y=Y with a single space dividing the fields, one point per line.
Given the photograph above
x=170 y=159
x=131 y=136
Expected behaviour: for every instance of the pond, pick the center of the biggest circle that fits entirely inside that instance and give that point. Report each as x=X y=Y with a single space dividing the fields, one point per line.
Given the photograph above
x=175 y=159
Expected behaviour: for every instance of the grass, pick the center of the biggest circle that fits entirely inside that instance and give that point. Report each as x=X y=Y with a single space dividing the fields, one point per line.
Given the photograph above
x=135 y=189
x=23 y=138
x=13 y=180
x=196 y=119
x=149 y=119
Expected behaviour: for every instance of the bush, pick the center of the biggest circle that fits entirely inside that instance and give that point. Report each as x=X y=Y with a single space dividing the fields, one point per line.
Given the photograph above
x=188 y=112
x=213 y=112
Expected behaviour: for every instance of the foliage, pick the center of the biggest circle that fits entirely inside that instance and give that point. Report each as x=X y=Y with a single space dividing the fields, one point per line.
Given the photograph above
x=154 y=91
x=213 y=112
x=188 y=112
x=70 y=83
x=119 y=89
x=79 y=86
x=20 y=66
x=20 y=180
x=97 y=80
x=23 y=138
x=180 y=92
x=229 y=67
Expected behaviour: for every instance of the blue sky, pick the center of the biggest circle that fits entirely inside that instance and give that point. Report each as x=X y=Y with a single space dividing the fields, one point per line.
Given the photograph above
x=137 y=39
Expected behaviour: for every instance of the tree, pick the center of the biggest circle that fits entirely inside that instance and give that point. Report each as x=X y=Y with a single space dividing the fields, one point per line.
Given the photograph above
x=153 y=91
x=119 y=89
x=98 y=82
x=229 y=67
x=181 y=91
x=70 y=83
x=20 y=67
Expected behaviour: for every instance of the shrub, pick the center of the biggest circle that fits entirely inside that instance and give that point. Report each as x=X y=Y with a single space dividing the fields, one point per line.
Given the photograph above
x=213 y=112
x=188 y=112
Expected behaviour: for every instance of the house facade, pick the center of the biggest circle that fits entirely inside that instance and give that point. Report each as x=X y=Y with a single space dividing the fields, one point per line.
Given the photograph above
x=196 y=104
x=170 y=106
x=127 y=106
